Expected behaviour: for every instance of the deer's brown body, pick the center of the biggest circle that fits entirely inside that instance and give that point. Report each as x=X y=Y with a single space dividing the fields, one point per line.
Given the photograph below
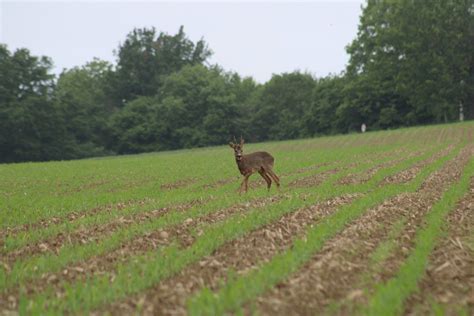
x=261 y=162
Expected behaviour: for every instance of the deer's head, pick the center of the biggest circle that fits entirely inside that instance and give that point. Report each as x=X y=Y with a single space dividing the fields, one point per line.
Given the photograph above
x=238 y=148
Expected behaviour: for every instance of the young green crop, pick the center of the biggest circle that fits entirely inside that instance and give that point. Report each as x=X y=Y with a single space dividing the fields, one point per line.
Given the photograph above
x=37 y=191
x=32 y=193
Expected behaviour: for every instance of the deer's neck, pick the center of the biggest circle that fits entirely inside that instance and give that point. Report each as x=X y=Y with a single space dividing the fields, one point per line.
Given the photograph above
x=241 y=164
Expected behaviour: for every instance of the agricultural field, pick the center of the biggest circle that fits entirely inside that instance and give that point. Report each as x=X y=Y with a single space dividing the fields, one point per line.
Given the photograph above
x=379 y=223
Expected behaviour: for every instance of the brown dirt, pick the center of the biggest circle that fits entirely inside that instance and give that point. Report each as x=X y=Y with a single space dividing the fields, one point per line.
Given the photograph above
x=219 y=183
x=241 y=255
x=84 y=187
x=256 y=181
x=449 y=278
x=182 y=183
x=333 y=274
x=312 y=180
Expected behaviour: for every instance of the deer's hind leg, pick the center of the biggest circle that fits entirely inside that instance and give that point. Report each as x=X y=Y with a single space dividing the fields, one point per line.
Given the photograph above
x=273 y=176
x=266 y=178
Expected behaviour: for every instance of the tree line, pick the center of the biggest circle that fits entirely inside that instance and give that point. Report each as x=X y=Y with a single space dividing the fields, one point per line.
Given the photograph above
x=411 y=63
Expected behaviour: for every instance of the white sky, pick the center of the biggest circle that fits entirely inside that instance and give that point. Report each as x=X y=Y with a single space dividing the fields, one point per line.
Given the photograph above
x=252 y=38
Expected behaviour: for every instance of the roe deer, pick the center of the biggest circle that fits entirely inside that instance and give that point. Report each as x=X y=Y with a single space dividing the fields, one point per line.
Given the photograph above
x=261 y=162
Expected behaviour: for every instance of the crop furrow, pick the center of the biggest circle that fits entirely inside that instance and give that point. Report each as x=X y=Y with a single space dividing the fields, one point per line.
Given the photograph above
x=70 y=217
x=452 y=260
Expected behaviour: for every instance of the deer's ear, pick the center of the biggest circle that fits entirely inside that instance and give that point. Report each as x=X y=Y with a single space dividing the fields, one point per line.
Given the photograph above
x=231 y=145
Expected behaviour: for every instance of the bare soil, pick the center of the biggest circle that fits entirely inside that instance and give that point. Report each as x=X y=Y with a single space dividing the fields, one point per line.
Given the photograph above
x=182 y=183
x=312 y=180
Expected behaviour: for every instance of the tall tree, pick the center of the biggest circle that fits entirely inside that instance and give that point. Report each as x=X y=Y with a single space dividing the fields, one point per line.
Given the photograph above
x=412 y=57
x=134 y=127
x=145 y=59
x=31 y=126
x=196 y=107
x=81 y=94
x=207 y=113
x=282 y=104
x=320 y=116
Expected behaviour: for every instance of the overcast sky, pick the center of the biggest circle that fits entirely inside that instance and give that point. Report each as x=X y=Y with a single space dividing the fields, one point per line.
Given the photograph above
x=252 y=38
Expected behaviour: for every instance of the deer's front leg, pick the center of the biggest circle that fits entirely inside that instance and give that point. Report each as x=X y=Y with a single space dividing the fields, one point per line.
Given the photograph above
x=242 y=185
x=246 y=180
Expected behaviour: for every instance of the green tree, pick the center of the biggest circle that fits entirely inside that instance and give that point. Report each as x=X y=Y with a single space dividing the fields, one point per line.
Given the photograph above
x=247 y=97
x=31 y=126
x=282 y=104
x=411 y=57
x=133 y=127
x=81 y=95
x=320 y=116
x=145 y=59
x=207 y=112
